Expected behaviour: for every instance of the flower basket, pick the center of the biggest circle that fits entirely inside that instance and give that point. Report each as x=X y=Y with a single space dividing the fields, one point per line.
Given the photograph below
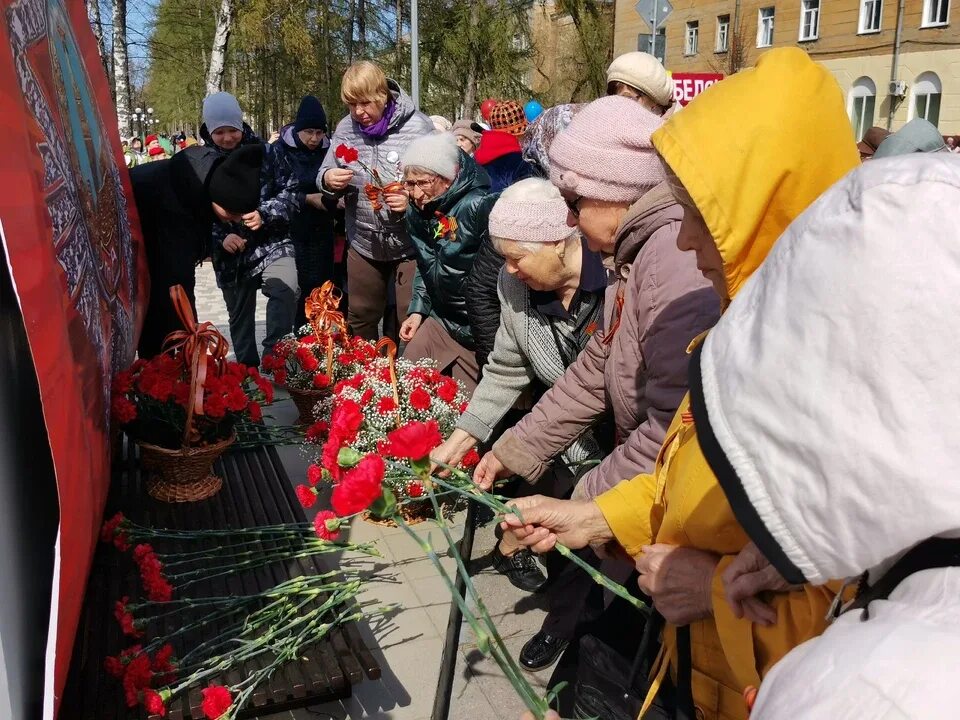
x=184 y=475
x=307 y=402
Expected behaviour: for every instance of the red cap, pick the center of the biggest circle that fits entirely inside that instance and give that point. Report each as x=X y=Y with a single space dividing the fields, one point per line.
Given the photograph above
x=495 y=144
x=151 y=138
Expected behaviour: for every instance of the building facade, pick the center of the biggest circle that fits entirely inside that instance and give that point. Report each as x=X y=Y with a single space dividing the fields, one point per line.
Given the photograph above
x=894 y=59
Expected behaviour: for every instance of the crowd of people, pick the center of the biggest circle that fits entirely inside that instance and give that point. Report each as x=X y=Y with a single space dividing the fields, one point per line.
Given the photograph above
x=711 y=340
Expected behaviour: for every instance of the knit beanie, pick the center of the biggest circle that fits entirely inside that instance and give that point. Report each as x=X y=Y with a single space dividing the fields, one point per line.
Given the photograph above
x=509 y=117
x=605 y=152
x=522 y=220
x=234 y=184
x=463 y=128
x=495 y=144
x=222 y=110
x=441 y=124
x=438 y=153
x=644 y=72
x=310 y=115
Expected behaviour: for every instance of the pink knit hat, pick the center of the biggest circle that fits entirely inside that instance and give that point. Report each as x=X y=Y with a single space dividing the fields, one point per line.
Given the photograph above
x=605 y=152
x=543 y=221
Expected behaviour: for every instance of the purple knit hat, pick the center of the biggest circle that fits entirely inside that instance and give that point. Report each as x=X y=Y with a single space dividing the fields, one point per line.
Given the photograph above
x=605 y=153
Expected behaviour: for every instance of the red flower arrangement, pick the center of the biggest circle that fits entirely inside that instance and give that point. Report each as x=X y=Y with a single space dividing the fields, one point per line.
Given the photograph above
x=216 y=701
x=373 y=190
x=150 y=400
x=301 y=362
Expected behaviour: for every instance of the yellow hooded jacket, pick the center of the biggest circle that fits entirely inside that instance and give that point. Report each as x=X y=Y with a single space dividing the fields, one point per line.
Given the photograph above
x=753 y=152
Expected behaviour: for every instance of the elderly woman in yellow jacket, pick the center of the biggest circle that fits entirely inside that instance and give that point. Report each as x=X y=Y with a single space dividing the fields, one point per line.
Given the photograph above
x=749 y=155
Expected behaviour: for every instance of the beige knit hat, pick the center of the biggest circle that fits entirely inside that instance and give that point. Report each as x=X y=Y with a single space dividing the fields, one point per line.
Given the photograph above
x=605 y=152
x=644 y=72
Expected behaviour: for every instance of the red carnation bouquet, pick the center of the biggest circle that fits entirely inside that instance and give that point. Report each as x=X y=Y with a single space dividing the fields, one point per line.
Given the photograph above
x=301 y=362
x=368 y=405
x=151 y=397
x=373 y=190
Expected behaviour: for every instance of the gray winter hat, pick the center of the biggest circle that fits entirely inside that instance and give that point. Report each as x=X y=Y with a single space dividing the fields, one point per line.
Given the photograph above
x=222 y=110
x=438 y=153
x=918 y=135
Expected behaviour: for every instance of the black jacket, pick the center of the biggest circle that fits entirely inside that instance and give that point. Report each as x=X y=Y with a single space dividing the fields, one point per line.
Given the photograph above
x=444 y=261
x=484 y=308
x=175 y=218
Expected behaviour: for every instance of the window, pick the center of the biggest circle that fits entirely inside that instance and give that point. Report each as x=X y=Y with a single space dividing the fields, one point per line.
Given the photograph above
x=870 y=13
x=927 y=92
x=723 y=33
x=809 y=19
x=861 y=103
x=765 y=27
x=660 y=51
x=693 y=37
x=935 y=12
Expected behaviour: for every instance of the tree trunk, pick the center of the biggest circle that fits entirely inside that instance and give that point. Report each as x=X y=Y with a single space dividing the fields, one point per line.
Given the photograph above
x=362 y=26
x=470 y=91
x=351 y=20
x=93 y=15
x=327 y=71
x=218 y=55
x=121 y=66
x=398 y=63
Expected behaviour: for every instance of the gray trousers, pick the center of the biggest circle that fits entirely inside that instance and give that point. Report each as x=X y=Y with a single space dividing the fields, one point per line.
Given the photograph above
x=278 y=281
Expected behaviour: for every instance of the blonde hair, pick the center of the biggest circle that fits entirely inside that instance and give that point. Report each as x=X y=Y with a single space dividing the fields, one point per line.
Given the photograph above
x=364 y=81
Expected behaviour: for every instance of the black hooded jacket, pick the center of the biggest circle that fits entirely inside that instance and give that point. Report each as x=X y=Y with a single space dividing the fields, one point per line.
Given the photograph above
x=175 y=218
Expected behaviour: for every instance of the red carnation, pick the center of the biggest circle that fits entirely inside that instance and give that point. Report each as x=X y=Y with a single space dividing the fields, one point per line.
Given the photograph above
x=113 y=666
x=309 y=339
x=112 y=532
x=125 y=618
x=153 y=702
x=415 y=490
x=317 y=430
x=327 y=525
x=122 y=382
x=346 y=420
x=308 y=361
x=367 y=396
x=314 y=474
x=447 y=390
x=386 y=405
x=123 y=410
x=331 y=451
x=420 y=399
x=214 y=407
x=306 y=495
x=216 y=701
x=280 y=376
x=255 y=411
x=359 y=487
x=347 y=153
x=136 y=677
x=471 y=459
x=414 y=440
x=181 y=394
x=321 y=380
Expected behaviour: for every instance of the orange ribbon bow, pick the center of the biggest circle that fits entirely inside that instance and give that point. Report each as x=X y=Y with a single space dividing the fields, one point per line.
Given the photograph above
x=198 y=344
x=323 y=314
x=391 y=347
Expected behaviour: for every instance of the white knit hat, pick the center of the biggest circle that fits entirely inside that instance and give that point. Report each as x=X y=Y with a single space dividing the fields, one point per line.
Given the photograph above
x=644 y=72
x=438 y=153
x=222 y=110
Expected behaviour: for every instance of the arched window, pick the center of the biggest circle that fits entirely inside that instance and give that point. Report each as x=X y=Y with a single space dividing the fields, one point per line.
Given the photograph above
x=860 y=104
x=927 y=92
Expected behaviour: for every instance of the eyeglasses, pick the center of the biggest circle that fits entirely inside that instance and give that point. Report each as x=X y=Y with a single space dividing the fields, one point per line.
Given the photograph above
x=409 y=185
x=574 y=205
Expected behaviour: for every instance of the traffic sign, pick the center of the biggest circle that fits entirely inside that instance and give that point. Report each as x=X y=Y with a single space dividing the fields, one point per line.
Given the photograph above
x=654 y=12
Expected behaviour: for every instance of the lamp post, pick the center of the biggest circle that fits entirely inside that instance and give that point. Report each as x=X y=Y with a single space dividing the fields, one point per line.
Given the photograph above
x=138 y=116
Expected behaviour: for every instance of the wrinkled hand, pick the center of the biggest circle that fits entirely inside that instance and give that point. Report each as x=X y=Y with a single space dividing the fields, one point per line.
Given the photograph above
x=551 y=715
x=337 y=179
x=410 y=326
x=233 y=243
x=396 y=201
x=547 y=521
x=451 y=451
x=489 y=470
x=253 y=220
x=274 y=136
x=679 y=580
x=749 y=574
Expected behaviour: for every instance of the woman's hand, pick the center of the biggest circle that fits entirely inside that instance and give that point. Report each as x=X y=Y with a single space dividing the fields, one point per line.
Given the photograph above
x=253 y=220
x=233 y=243
x=551 y=715
x=315 y=200
x=410 y=326
x=748 y=575
x=336 y=179
x=547 y=521
x=452 y=450
x=397 y=201
x=489 y=470
x=679 y=580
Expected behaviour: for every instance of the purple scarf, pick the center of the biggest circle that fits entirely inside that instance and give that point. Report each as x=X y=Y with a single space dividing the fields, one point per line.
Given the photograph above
x=379 y=128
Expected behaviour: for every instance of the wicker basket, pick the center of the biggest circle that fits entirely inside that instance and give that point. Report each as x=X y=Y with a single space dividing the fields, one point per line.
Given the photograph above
x=306 y=402
x=184 y=475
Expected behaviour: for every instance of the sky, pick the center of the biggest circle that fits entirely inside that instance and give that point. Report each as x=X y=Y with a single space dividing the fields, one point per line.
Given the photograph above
x=139 y=24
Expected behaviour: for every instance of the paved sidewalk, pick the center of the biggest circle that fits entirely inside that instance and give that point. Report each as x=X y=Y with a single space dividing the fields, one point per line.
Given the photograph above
x=408 y=641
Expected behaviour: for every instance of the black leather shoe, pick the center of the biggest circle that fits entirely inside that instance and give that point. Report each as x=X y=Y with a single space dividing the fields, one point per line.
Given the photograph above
x=521 y=569
x=541 y=651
